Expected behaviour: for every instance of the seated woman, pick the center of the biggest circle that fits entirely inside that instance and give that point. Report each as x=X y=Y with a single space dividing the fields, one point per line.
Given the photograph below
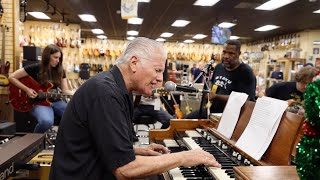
x=49 y=70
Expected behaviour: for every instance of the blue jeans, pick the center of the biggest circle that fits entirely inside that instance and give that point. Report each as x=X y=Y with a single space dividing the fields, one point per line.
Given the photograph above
x=45 y=115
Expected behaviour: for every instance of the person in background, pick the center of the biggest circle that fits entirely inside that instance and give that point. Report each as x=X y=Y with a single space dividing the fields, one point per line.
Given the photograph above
x=196 y=72
x=49 y=70
x=95 y=139
x=148 y=107
x=229 y=75
x=293 y=91
x=277 y=75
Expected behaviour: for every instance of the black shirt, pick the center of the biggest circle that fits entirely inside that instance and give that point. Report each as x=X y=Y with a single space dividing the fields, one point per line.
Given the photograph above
x=285 y=91
x=33 y=70
x=241 y=79
x=277 y=75
x=95 y=134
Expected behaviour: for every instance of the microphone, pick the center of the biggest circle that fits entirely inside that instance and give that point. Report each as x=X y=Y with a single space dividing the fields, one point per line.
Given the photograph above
x=171 y=86
x=207 y=65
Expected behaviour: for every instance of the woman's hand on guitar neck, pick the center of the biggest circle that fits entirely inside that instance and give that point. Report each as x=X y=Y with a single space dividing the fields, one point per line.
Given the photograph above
x=31 y=93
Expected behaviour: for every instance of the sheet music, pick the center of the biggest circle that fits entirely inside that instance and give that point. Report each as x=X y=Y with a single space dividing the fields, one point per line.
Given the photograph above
x=262 y=126
x=231 y=113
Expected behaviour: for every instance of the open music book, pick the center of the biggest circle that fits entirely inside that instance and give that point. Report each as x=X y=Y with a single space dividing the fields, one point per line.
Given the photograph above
x=231 y=113
x=262 y=126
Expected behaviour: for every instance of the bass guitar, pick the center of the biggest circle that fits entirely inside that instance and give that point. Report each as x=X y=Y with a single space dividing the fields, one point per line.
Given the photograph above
x=20 y=101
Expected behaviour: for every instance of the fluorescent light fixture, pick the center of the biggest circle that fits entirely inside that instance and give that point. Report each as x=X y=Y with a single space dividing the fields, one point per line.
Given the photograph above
x=39 y=15
x=87 y=17
x=132 y=33
x=188 y=41
x=274 y=4
x=205 y=2
x=317 y=11
x=145 y=1
x=267 y=28
x=102 y=37
x=160 y=40
x=130 y=38
x=316 y=42
x=166 y=34
x=234 y=37
x=199 y=36
x=180 y=23
x=97 y=31
x=226 y=25
x=135 y=21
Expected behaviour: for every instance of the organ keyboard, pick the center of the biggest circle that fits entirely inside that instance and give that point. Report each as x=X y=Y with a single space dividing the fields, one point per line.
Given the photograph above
x=16 y=150
x=190 y=134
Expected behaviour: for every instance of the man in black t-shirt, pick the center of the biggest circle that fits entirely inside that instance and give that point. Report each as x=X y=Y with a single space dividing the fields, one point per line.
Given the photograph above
x=229 y=75
x=95 y=139
x=293 y=91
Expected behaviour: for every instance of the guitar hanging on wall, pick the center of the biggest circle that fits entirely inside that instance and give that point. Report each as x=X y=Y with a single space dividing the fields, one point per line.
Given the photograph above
x=20 y=100
x=4 y=66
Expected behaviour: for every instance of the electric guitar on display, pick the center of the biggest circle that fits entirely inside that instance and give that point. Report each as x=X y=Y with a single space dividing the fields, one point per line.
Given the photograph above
x=23 y=103
x=4 y=65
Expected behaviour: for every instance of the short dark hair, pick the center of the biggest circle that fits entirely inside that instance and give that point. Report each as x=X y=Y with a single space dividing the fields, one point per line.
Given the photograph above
x=234 y=42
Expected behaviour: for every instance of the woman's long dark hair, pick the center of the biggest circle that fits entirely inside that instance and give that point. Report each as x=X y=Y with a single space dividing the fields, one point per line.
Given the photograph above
x=48 y=73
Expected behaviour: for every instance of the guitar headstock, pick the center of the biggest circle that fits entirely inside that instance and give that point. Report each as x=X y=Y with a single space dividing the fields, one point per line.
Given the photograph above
x=161 y=91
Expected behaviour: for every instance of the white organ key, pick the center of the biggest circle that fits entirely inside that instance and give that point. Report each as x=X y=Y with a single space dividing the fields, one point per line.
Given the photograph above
x=170 y=143
x=218 y=173
x=190 y=143
x=192 y=133
x=176 y=174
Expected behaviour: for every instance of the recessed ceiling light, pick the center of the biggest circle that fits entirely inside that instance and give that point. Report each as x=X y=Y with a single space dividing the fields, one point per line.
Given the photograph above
x=205 y=2
x=226 y=25
x=87 y=17
x=160 y=40
x=145 y=1
x=135 y=21
x=130 y=38
x=39 y=15
x=102 y=37
x=166 y=34
x=274 y=4
x=317 y=11
x=234 y=37
x=267 y=28
x=97 y=31
x=133 y=33
x=199 y=36
x=180 y=23
x=188 y=41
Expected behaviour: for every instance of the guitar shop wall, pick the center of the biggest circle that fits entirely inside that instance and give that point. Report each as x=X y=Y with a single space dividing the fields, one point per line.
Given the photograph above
x=7 y=54
x=41 y=34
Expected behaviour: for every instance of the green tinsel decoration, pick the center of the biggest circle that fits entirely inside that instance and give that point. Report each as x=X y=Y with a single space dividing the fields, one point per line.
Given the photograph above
x=308 y=149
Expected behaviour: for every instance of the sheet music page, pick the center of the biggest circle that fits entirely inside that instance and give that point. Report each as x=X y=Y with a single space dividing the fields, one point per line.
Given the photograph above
x=262 y=126
x=231 y=113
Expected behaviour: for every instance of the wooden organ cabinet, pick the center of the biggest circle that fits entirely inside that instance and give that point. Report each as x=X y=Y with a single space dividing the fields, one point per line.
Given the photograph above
x=275 y=162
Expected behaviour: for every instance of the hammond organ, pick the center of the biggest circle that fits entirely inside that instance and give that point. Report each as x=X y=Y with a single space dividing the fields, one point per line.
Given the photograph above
x=190 y=134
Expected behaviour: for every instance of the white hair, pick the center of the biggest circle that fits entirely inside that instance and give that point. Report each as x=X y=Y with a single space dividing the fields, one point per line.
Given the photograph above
x=143 y=48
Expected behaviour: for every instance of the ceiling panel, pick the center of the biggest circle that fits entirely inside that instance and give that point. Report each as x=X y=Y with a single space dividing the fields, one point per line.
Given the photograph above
x=160 y=14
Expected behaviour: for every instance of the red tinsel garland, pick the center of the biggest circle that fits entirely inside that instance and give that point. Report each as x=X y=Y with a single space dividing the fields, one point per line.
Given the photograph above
x=310 y=130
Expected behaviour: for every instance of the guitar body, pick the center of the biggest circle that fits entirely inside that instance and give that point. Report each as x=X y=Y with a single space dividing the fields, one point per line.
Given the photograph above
x=20 y=100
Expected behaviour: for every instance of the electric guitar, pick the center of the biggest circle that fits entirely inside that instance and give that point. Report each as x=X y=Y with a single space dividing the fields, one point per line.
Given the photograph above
x=23 y=103
x=4 y=66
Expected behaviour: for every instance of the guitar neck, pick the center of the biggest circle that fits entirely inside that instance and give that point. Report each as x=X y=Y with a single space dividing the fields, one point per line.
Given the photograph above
x=53 y=95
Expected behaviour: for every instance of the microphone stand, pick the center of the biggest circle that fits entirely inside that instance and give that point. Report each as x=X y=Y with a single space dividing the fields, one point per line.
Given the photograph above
x=205 y=73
